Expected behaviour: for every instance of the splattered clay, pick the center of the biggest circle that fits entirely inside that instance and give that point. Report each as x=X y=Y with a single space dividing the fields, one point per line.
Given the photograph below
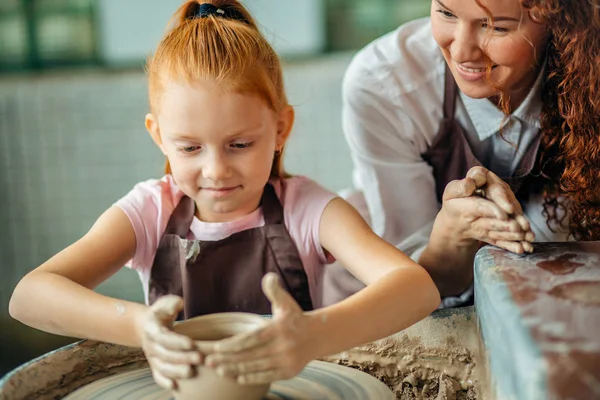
x=414 y=372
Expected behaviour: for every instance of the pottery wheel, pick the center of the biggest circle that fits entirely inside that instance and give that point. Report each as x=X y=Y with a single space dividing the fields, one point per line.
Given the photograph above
x=318 y=381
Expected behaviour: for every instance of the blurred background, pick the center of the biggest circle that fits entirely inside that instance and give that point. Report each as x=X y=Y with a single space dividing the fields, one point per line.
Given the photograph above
x=72 y=106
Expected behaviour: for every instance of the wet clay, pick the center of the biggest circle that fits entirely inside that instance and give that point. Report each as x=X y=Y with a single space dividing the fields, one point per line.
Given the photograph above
x=561 y=265
x=583 y=292
x=414 y=372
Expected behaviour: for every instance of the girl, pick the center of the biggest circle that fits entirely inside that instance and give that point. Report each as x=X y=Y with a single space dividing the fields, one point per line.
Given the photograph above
x=224 y=216
x=500 y=95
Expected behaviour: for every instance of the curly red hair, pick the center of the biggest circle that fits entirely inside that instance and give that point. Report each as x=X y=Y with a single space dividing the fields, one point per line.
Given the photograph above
x=569 y=160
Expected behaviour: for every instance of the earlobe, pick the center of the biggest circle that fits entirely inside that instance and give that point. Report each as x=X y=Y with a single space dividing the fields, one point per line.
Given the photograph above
x=284 y=125
x=536 y=16
x=154 y=131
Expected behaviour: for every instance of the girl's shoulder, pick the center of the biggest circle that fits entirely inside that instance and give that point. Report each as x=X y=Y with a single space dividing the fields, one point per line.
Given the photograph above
x=152 y=198
x=300 y=192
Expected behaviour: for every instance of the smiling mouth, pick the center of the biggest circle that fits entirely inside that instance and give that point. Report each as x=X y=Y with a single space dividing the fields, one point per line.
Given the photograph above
x=473 y=70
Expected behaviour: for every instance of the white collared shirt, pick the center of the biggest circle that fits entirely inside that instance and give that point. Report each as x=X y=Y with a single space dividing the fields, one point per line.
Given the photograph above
x=392 y=107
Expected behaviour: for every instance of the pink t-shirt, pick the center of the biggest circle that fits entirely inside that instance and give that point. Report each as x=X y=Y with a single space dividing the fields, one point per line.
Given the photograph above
x=149 y=206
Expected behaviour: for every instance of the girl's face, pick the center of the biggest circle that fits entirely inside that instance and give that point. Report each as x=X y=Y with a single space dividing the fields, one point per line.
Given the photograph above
x=515 y=46
x=220 y=145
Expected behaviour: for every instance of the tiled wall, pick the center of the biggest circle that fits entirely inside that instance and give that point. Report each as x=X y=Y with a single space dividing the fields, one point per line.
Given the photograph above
x=73 y=143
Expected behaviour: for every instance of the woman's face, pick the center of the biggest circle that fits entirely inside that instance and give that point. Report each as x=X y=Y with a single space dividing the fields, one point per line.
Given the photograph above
x=515 y=46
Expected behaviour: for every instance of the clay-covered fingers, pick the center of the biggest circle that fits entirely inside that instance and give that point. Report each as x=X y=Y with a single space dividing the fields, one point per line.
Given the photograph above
x=257 y=371
x=514 y=247
x=170 y=370
x=163 y=381
x=494 y=229
x=500 y=193
x=154 y=349
x=282 y=303
x=238 y=343
x=216 y=359
x=167 y=307
x=246 y=367
x=459 y=188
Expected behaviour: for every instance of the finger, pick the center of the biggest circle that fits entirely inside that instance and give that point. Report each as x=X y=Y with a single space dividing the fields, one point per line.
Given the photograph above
x=172 y=371
x=523 y=222
x=167 y=307
x=174 y=357
x=260 y=377
x=247 y=367
x=487 y=209
x=155 y=332
x=527 y=246
x=500 y=193
x=479 y=175
x=216 y=359
x=163 y=381
x=281 y=300
x=506 y=236
x=494 y=224
x=459 y=188
x=515 y=247
x=244 y=341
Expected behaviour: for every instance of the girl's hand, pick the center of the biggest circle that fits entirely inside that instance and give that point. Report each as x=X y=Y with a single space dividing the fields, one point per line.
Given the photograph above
x=172 y=356
x=494 y=216
x=280 y=350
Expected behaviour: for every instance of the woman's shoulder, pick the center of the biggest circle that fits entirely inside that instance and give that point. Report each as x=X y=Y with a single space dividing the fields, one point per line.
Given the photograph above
x=405 y=59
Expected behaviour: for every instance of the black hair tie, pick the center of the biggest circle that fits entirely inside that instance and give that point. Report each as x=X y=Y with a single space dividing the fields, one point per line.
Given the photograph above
x=206 y=10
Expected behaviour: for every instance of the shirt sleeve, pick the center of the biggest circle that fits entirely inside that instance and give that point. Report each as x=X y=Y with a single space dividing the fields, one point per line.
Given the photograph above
x=148 y=206
x=396 y=182
x=304 y=203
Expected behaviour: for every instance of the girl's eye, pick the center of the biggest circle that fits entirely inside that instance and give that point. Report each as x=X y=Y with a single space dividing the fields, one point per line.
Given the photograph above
x=244 y=145
x=189 y=149
x=446 y=14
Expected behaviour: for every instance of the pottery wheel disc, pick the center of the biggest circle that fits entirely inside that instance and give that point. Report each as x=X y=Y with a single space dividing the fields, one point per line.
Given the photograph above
x=318 y=381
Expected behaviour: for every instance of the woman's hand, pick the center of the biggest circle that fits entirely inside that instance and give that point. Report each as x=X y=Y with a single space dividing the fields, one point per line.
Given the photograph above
x=280 y=350
x=172 y=356
x=496 y=218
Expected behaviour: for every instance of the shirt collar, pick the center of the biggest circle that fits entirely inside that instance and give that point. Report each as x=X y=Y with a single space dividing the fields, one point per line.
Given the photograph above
x=488 y=119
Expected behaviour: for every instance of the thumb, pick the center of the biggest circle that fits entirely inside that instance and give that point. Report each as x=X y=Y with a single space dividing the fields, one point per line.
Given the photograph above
x=167 y=307
x=281 y=300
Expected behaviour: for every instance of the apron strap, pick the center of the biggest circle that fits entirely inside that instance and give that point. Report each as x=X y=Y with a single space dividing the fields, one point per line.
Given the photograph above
x=450 y=92
x=271 y=206
x=182 y=217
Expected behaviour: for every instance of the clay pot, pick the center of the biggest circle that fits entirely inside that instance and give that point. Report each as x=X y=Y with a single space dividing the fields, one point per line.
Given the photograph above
x=207 y=384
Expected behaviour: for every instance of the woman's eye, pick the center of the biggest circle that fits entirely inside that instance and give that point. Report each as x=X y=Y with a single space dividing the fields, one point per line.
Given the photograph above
x=496 y=29
x=446 y=14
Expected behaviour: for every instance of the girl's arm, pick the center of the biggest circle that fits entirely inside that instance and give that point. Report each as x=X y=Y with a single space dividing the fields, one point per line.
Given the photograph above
x=58 y=296
x=399 y=292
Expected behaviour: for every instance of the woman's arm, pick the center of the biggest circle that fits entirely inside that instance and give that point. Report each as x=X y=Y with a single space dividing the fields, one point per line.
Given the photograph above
x=58 y=296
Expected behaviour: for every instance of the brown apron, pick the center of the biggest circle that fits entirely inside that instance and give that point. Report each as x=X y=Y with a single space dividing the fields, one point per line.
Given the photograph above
x=225 y=275
x=450 y=154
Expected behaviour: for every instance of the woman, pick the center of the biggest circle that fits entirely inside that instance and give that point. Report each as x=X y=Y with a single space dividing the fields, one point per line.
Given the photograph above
x=508 y=87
